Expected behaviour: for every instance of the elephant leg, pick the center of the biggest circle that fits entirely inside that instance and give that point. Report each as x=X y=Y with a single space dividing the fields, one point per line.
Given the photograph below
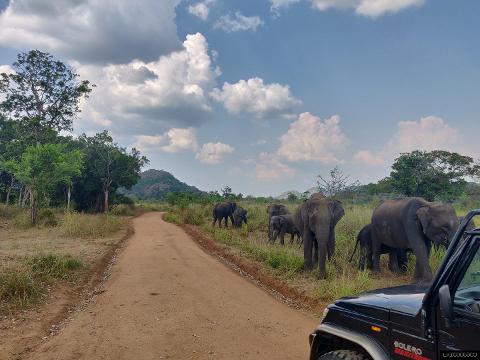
x=231 y=219
x=292 y=238
x=402 y=260
x=315 y=252
x=307 y=249
x=423 y=273
x=375 y=254
x=282 y=237
x=393 y=261
x=363 y=259
x=322 y=258
x=274 y=235
x=331 y=244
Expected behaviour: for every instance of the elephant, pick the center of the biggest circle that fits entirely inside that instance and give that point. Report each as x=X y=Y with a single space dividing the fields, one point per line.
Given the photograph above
x=281 y=225
x=223 y=210
x=239 y=217
x=316 y=219
x=397 y=257
x=412 y=223
x=273 y=210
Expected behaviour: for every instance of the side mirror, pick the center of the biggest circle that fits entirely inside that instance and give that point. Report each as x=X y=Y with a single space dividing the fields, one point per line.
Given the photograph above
x=446 y=305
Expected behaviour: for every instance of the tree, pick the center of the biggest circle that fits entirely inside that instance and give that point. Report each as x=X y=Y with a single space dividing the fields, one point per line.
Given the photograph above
x=227 y=192
x=108 y=167
x=68 y=169
x=336 y=184
x=43 y=94
x=40 y=170
x=435 y=174
x=292 y=197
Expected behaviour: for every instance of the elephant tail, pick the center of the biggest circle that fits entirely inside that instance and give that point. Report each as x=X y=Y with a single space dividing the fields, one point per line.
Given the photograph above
x=354 y=250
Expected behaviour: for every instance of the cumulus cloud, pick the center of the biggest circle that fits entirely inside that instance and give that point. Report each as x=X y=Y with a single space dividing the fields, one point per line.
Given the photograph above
x=93 y=31
x=238 y=22
x=371 y=8
x=270 y=167
x=172 y=90
x=254 y=96
x=172 y=141
x=310 y=138
x=429 y=133
x=7 y=69
x=212 y=153
x=201 y=9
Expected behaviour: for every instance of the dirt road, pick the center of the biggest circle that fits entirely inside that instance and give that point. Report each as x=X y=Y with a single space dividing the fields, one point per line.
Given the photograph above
x=167 y=299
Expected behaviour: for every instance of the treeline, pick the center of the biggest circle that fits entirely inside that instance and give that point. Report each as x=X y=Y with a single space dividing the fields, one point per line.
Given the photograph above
x=39 y=164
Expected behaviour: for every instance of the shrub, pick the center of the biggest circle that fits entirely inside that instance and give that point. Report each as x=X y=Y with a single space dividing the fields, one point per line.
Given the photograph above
x=18 y=287
x=123 y=210
x=46 y=217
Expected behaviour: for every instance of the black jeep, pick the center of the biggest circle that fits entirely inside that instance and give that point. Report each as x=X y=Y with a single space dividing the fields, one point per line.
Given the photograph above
x=436 y=321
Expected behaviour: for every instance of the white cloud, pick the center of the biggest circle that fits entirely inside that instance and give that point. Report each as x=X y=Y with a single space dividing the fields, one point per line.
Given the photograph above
x=269 y=167
x=276 y=5
x=429 y=133
x=173 y=90
x=371 y=8
x=172 y=141
x=201 y=9
x=93 y=31
x=254 y=96
x=367 y=157
x=310 y=138
x=212 y=153
x=7 y=69
x=238 y=22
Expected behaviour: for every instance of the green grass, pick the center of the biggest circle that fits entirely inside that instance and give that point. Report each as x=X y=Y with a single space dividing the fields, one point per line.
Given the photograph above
x=24 y=284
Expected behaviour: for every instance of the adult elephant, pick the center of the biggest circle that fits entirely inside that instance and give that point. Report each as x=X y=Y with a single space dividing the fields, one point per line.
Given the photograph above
x=316 y=219
x=223 y=210
x=397 y=257
x=412 y=223
x=239 y=217
x=275 y=210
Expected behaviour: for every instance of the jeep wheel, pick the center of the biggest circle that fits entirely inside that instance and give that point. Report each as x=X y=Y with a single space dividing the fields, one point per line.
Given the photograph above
x=343 y=355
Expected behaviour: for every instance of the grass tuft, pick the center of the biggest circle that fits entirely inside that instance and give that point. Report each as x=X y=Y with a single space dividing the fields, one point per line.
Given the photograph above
x=86 y=226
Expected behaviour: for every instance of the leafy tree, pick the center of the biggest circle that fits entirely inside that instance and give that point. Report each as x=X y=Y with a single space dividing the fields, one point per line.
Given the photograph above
x=43 y=94
x=227 y=192
x=435 y=174
x=292 y=197
x=41 y=169
x=107 y=167
x=68 y=170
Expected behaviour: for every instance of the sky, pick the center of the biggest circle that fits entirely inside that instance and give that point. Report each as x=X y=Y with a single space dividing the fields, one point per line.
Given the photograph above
x=264 y=95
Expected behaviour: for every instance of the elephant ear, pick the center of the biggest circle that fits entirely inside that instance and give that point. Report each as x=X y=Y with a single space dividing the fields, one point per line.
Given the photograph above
x=336 y=210
x=424 y=217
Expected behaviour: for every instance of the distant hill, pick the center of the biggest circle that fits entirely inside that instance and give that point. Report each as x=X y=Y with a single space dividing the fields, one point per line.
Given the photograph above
x=155 y=184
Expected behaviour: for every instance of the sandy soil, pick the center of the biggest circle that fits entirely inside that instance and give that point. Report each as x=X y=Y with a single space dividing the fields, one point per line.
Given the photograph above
x=167 y=299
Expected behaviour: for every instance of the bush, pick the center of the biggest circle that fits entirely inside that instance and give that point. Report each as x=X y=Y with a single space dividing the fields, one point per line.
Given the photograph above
x=46 y=217
x=123 y=210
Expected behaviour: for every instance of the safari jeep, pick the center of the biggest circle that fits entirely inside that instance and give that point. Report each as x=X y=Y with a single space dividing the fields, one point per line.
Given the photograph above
x=436 y=321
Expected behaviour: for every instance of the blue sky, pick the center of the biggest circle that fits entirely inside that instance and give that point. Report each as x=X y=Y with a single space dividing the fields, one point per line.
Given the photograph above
x=261 y=98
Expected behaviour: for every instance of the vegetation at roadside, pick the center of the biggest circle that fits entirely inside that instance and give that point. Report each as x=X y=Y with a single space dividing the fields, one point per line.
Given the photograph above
x=25 y=283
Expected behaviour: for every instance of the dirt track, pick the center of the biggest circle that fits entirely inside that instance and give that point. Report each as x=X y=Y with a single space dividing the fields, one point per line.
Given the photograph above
x=167 y=299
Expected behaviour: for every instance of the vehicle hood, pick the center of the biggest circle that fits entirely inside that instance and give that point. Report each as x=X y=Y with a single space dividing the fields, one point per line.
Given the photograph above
x=379 y=303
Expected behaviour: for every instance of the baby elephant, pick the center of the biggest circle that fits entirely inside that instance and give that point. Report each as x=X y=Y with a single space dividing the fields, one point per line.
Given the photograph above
x=239 y=217
x=397 y=257
x=281 y=225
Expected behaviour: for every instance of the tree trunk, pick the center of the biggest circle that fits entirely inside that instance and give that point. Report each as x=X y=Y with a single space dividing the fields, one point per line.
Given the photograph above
x=105 y=204
x=33 y=208
x=7 y=199
x=69 y=194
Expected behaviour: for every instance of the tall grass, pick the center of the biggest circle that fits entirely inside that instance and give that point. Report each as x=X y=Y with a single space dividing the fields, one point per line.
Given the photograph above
x=24 y=284
x=77 y=225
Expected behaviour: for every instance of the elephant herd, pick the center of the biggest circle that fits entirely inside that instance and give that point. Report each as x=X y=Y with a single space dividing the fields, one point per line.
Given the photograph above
x=397 y=226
